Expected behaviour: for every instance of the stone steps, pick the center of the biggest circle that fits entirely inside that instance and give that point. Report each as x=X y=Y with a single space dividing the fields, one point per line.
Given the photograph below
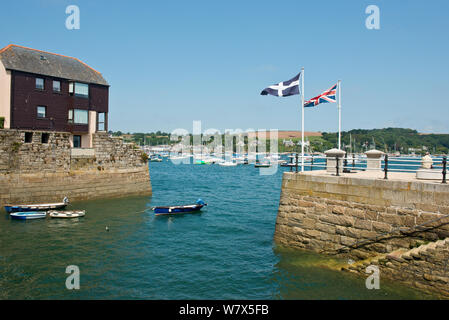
x=400 y=255
x=418 y=252
x=396 y=255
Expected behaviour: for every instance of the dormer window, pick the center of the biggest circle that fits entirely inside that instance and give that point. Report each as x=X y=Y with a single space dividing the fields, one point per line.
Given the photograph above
x=39 y=84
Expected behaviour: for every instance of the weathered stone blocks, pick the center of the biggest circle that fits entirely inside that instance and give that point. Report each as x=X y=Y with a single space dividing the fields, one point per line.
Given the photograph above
x=381 y=215
x=32 y=171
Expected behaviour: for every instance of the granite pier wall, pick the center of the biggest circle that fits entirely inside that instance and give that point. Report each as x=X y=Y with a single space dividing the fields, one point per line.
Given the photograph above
x=370 y=220
x=45 y=168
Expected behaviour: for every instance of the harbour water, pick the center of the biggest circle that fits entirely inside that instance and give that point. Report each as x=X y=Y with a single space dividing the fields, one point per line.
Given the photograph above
x=224 y=252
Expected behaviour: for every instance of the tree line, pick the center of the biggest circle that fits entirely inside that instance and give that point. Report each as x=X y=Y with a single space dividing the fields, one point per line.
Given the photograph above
x=391 y=140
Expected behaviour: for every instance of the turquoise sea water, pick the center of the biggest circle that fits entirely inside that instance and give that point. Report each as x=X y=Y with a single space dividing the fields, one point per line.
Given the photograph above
x=225 y=252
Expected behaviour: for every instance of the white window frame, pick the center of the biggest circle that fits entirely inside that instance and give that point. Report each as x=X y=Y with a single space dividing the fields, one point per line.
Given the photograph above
x=73 y=115
x=43 y=83
x=82 y=93
x=101 y=123
x=45 y=112
x=59 y=87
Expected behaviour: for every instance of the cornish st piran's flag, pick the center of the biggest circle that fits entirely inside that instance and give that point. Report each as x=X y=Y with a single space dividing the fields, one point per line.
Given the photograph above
x=283 y=89
x=326 y=96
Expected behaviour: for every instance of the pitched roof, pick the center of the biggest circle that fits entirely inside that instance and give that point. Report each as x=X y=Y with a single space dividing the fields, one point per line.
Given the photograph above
x=24 y=59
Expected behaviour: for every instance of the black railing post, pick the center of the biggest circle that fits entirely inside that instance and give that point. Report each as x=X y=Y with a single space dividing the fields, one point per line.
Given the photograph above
x=345 y=163
x=386 y=167
x=296 y=162
x=337 y=158
x=444 y=169
x=353 y=160
x=311 y=164
x=291 y=163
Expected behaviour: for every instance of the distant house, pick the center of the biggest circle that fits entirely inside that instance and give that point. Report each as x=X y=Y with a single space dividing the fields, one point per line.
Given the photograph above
x=48 y=91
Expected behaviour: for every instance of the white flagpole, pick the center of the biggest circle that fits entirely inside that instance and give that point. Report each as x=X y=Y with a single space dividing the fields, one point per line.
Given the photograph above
x=302 y=125
x=339 y=114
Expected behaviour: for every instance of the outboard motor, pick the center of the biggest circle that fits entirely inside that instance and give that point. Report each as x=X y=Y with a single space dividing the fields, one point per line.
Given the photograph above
x=66 y=200
x=201 y=202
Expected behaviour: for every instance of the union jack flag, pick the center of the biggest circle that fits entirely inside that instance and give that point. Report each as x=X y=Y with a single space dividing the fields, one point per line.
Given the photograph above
x=326 y=96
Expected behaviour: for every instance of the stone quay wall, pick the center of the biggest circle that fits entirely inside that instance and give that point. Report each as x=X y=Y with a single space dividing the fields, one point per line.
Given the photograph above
x=38 y=171
x=364 y=218
x=17 y=156
x=425 y=267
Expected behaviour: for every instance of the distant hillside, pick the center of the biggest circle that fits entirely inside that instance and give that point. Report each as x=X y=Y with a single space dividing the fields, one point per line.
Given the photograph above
x=391 y=140
x=289 y=134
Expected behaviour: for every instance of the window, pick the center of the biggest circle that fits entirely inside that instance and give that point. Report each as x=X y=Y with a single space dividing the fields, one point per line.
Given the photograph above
x=57 y=86
x=77 y=116
x=77 y=141
x=101 y=122
x=39 y=84
x=81 y=116
x=81 y=90
x=28 y=137
x=41 y=111
x=44 y=138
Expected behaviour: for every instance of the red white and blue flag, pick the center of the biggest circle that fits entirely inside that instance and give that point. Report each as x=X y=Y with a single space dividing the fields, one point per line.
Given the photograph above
x=325 y=97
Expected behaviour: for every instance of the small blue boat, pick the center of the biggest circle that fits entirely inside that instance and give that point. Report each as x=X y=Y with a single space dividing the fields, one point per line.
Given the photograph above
x=37 y=207
x=180 y=209
x=28 y=215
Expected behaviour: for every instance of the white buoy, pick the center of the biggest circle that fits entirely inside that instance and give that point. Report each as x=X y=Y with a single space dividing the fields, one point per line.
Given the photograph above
x=107 y=229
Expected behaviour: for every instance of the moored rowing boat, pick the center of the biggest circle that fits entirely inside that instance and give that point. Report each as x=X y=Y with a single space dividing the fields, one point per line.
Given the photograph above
x=28 y=215
x=36 y=207
x=179 y=209
x=67 y=214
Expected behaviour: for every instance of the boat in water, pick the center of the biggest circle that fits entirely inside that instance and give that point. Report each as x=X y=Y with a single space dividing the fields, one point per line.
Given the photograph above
x=28 y=215
x=200 y=162
x=227 y=164
x=37 y=207
x=66 y=214
x=286 y=164
x=155 y=159
x=173 y=210
x=259 y=164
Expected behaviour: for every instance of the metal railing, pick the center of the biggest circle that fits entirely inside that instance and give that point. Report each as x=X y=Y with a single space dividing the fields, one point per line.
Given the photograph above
x=385 y=164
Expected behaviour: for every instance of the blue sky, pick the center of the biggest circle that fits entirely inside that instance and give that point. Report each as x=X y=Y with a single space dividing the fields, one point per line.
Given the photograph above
x=172 y=62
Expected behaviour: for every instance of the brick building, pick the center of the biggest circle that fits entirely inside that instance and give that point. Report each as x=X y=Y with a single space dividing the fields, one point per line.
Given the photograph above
x=50 y=92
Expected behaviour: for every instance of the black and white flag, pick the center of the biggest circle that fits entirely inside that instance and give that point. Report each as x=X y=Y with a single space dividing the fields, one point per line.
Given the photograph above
x=283 y=89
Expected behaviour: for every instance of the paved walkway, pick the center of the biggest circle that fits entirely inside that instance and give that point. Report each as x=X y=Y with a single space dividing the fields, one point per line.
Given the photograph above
x=372 y=174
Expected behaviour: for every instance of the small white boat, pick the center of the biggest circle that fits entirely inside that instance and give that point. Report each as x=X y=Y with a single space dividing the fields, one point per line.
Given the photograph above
x=155 y=159
x=227 y=164
x=67 y=214
x=262 y=165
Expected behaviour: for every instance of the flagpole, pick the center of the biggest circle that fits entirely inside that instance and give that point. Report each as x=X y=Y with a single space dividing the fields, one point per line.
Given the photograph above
x=302 y=124
x=339 y=114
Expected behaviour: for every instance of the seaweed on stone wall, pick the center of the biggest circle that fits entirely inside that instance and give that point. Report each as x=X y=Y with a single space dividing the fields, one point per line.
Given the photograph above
x=144 y=157
x=15 y=146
